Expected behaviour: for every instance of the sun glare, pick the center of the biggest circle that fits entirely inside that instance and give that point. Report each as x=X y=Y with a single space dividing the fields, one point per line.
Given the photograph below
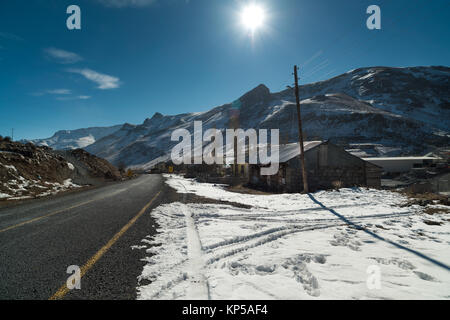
x=253 y=17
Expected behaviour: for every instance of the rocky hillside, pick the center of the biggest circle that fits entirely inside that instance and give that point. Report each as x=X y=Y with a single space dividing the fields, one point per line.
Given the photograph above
x=27 y=171
x=89 y=168
x=417 y=93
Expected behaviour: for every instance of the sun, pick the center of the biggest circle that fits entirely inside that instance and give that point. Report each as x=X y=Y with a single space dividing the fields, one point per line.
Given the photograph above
x=253 y=17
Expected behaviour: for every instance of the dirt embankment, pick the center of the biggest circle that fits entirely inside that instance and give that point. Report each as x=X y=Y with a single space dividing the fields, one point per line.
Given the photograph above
x=89 y=169
x=28 y=171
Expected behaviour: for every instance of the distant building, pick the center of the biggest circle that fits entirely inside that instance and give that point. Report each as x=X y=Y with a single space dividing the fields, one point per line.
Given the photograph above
x=328 y=166
x=204 y=171
x=166 y=167
x=402 y=164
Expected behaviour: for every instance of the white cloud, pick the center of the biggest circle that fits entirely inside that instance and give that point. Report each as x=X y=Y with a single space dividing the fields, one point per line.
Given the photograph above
x=61 y=95
x=73 y=98
x=62 y=56
x=104 y=81
x=53 y=92
x=127 y=3
x=10 y=36
x=59 y=91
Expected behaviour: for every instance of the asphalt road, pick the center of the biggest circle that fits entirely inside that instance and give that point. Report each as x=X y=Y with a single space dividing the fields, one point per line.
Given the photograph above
x=93 y=229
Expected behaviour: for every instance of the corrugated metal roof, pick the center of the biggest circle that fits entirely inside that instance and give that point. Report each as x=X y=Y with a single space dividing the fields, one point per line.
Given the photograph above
x=292 y=150
x=286 y=151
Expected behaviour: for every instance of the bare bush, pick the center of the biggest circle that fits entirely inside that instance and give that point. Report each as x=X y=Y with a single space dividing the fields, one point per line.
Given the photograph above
x=337 y=184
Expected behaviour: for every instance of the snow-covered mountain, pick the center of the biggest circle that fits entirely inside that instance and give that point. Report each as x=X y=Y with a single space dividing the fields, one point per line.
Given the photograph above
x=74 y=139
x=419 y=93
x=402 y=109
x=397 y=110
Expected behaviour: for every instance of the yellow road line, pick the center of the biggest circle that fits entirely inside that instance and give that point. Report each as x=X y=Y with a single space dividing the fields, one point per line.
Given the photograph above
x=88 y=265
x=46 y=216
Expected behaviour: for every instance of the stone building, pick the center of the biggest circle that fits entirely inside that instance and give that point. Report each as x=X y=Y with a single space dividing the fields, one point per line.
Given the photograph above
x=328 y=166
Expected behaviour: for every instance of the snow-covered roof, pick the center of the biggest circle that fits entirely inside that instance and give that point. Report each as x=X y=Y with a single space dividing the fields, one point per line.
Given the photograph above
x=286 y=151
x=292 y=150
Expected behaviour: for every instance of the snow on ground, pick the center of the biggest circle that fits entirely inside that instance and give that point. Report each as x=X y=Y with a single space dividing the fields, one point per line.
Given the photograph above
x=347 y=244
x=21 y=188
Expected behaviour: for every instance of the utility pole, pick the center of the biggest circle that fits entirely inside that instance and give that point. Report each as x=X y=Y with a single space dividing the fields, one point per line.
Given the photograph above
x=300 y=134
x=12 y=134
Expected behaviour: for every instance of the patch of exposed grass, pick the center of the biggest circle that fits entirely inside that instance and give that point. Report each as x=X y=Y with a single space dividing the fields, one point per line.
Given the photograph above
x=245 y=190
x=425 y=199
x=432 y=211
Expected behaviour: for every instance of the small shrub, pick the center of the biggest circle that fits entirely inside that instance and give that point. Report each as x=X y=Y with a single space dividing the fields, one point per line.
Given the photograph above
x=337 y=184
x=7 y=139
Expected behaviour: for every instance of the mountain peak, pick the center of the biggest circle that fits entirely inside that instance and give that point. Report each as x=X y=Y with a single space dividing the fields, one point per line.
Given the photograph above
x=151 y=120
x=260 y=89
x=157 y=115
x=259 y=94
x=128 y=126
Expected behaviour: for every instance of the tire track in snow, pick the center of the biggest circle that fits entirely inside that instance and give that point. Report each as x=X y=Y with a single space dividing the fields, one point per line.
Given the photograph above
x=198 y=285
x=187 y=279
x=310 y=224
x=261 y=218
x=198 y=288
x=263 y=240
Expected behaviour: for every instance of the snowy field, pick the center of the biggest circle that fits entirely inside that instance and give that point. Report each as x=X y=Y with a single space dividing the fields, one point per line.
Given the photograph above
x=347 y=244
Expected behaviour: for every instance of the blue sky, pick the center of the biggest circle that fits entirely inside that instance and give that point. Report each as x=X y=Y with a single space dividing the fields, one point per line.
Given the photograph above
x=133 y=58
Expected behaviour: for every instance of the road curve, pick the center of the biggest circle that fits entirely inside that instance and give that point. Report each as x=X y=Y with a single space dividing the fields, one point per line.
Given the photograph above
x=93 y=229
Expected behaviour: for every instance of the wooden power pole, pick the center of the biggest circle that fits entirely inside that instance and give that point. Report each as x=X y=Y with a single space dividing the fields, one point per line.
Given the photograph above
x=300 y=134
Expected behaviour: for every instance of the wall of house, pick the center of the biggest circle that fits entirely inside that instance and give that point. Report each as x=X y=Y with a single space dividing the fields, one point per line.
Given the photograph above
x=399 y=165
x=373 y=175
x=442 y=183
x=439 y=184
x=204 y=171
x=328 y=166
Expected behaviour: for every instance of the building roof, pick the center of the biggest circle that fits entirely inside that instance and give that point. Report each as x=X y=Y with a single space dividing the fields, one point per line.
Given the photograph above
x=400 y=158
x=286 y=151
x=292 y=150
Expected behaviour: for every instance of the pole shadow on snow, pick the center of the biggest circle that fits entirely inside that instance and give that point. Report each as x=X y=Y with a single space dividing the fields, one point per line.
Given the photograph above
x=417 y=253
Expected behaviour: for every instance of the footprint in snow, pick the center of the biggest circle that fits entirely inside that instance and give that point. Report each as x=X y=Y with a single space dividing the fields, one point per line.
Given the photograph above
x=343 y=239
x=308 y=257
x=402 y=264
x=298 y=266
x=265 y=269
x=425 y=276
